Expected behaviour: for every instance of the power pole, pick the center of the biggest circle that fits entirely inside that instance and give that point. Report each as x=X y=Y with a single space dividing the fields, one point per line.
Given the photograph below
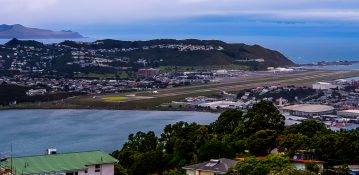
x=11 y=168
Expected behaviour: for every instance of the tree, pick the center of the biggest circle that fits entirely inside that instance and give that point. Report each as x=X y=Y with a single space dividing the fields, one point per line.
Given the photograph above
x=313 y=167
x=308 y=128
x=261 y=142
x=148 y=163
x=141 y=142
x=254 y=166
x=247 y=166
x=174 y=172
x=139 y=154
x=324 y=144
x=292 y=142
x=120 y=170
x=180 y=141
x=215 y=149
x=264 y=115
x=347 y=146
x=227 y=122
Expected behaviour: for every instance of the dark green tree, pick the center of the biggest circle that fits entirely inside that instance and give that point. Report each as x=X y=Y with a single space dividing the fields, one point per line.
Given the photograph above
x=141 y=142
x=254 y=166
x=323 y=145
x=148 y=163
x=292 y=142
x=307 y=127
x=263 y=115
x=227 y=122
x=262 y=142
x=215 y=149
x=180 y=141
x=120 y=170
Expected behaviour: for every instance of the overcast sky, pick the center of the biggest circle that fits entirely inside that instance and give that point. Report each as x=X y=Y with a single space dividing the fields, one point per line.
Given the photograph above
x=255 y=21
x=37 y=12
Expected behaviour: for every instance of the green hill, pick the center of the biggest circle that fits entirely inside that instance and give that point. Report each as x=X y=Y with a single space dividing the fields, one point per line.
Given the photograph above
x=252 y=55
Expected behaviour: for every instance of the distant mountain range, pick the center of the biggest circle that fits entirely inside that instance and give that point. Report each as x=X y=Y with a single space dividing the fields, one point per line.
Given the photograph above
x=22 y=32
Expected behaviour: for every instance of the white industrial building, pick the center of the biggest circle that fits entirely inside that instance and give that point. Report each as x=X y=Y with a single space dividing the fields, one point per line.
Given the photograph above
x=349 y=113
x=222 y=105
x=324 y=86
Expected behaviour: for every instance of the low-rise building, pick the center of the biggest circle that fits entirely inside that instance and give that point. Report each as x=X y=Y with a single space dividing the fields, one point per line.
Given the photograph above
x=301 y=159
x=212 y=167
x=349 y=113
x=324 y=86
x=147 y=73
x=222 y=105
x=77 y=163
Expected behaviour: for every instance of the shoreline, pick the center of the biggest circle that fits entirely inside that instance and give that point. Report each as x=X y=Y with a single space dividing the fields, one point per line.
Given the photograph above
x=107 y=109
x=83 y=109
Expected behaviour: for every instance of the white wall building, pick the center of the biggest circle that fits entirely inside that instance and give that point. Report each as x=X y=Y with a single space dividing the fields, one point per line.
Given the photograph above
x=324 y=86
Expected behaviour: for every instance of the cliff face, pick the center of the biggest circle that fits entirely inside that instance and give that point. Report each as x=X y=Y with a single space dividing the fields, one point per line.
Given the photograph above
x=22 y=32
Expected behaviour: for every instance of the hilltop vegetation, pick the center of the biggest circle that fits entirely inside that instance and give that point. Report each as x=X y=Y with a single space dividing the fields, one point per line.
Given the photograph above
x=69 y=58
x=259 y=130
x=221 y=54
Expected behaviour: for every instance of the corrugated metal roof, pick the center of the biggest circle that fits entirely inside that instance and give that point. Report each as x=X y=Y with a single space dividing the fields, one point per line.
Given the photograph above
x=58 y=162
x=218 y=166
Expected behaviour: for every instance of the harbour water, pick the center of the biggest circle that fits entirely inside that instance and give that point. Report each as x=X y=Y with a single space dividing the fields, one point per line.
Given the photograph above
x=354 y=66
x=31 y=132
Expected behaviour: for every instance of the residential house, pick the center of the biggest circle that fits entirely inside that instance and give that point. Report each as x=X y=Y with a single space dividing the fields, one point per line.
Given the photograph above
x=302 y=158
x=212 y=167
x=76 y=163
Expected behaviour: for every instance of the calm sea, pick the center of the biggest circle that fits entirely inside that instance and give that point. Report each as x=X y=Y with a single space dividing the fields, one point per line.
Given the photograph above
x=31 y=132
x=337 y=67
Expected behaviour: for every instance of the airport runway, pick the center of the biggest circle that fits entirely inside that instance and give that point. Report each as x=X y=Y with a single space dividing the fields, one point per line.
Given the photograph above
x=284 y=81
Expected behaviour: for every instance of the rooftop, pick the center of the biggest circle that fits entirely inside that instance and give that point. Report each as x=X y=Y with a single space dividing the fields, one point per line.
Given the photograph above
x=310 y=108
x=351 y=111
x=58 y=162
x=218 y=165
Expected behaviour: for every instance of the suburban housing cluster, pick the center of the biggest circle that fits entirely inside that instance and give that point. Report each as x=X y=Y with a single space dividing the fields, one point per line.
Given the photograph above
x=35 y=58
